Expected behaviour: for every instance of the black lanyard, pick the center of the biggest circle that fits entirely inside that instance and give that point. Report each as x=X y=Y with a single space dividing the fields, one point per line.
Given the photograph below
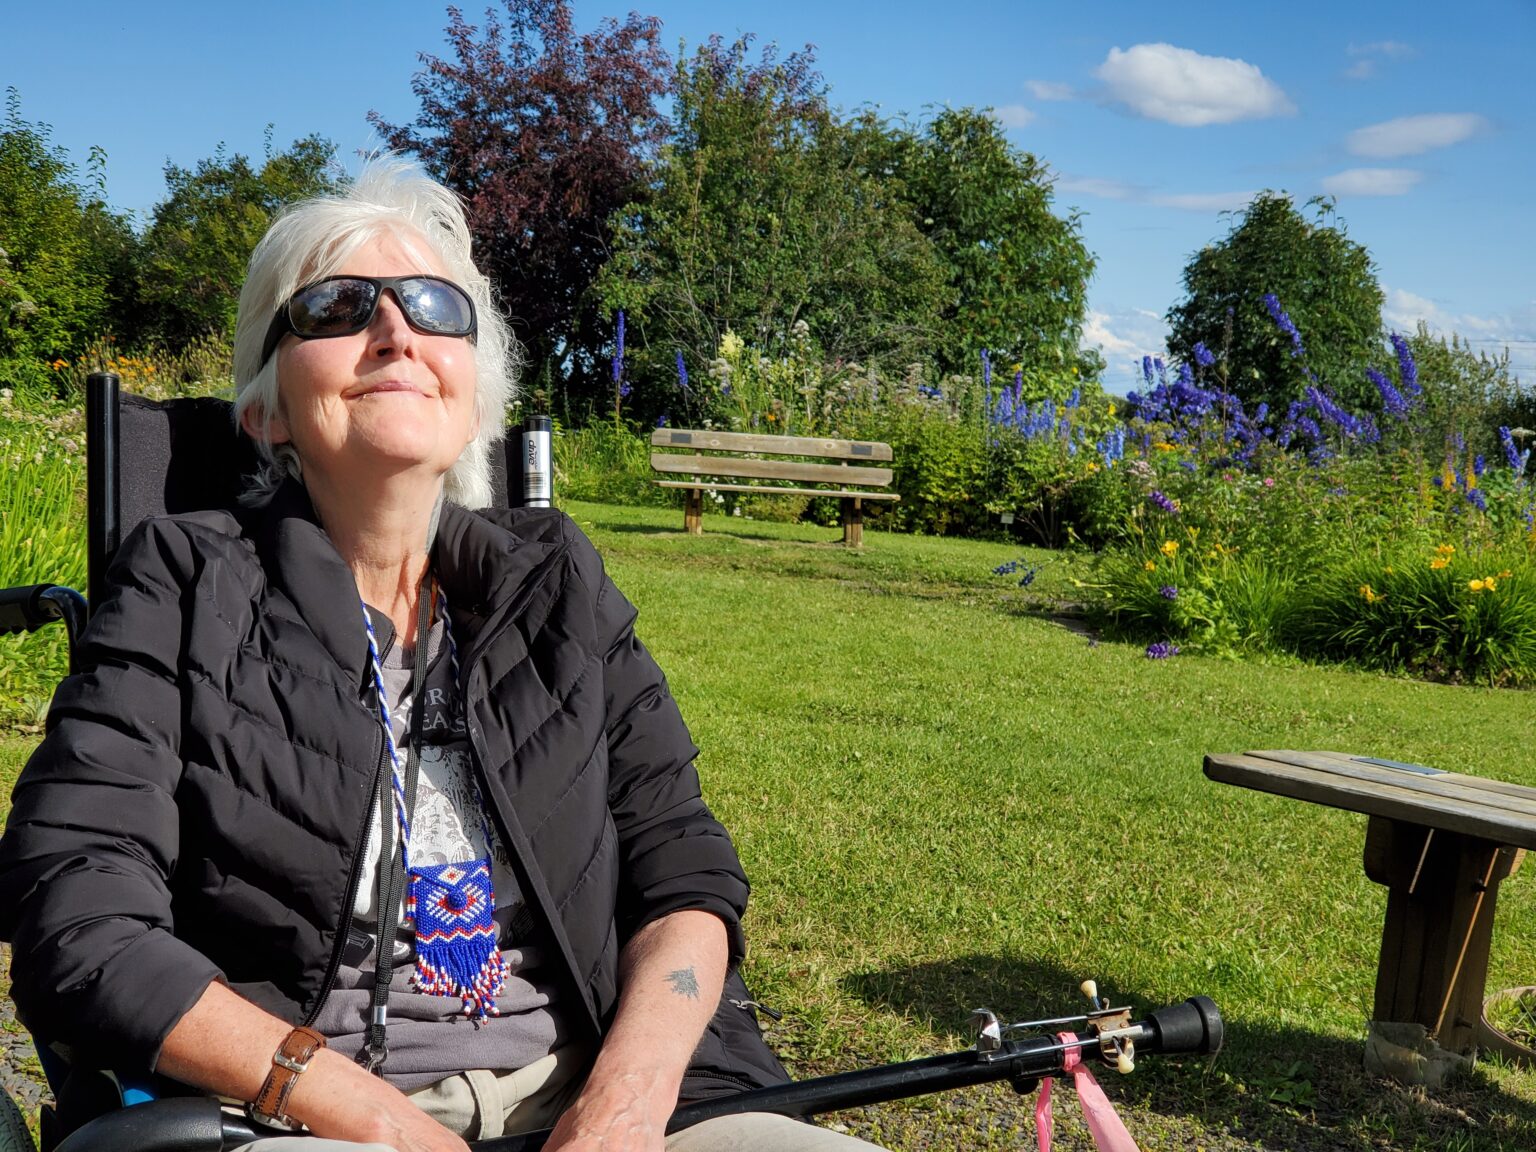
x=391 y=878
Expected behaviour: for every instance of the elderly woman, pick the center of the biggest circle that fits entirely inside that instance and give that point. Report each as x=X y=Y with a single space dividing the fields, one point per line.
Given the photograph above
x=359 y=711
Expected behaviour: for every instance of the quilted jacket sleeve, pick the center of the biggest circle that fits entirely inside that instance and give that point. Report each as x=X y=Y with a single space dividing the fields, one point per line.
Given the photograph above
x=93 y=830
x=674 y=854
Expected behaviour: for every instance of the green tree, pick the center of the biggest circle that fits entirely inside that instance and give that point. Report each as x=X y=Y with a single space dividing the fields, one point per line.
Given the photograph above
x=62 y=250
x=763 y=213
x=1017 y=272
x=1325 y=283
x=200 y=238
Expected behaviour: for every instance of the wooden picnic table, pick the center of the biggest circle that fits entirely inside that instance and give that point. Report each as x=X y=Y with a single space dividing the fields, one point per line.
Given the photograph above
x=1441 y=842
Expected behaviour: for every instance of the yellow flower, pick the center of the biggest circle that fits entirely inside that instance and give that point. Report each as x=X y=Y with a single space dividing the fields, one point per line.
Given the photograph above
x=1111 y=408
x=1439 y=562
x=1387 y=570
x=1488 y=583
x=1150 y=566
x=1444 y=549
x=1170 y=548
x=1092 y=467
x=1369 y=594
x=1475 y=585
x=1163 y=446
x=1506 y=574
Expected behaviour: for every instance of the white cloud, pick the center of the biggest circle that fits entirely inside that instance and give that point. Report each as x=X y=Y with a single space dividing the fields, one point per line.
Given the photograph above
x=1372 y=182
x=1391 y=49
x=1124 y=338
x=1205 y=201
x=1049 y=90
x=1178 y=86
x=1514 y=330
x=1102 y=189
x=1012 y=115
x=1411 y=135
x=1360 y=70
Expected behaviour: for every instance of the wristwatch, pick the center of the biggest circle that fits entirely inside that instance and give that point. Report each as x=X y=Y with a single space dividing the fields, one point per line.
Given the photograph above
x=289 y=1061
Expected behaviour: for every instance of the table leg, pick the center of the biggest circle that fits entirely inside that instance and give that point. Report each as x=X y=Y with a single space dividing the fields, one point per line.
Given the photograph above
x=1442 y=887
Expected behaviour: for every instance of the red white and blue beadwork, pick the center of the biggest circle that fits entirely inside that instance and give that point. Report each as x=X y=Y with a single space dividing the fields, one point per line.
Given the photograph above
x=451 y=904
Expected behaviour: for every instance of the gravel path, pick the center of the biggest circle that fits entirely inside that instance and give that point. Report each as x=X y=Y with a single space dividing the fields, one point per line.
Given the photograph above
x=20 y=1073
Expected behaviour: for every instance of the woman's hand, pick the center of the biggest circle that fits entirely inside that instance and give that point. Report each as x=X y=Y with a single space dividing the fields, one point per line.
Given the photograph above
x=224 y=1045
x=625 y=1112
x=343 y=1102
x=670 y=976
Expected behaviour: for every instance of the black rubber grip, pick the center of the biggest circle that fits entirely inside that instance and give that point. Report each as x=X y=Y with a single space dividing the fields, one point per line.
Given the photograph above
x=1193 y=1026
x=24 y=609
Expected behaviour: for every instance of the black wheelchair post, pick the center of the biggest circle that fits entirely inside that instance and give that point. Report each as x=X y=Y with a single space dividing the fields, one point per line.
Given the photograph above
x=103 y=528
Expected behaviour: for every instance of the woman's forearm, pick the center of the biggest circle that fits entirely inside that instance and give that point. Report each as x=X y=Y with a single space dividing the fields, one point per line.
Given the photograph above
x=670 y=978
x=224 y=1045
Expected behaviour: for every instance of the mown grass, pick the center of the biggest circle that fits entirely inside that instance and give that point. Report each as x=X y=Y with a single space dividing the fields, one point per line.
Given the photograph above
x=946 y=798
x=945 y=802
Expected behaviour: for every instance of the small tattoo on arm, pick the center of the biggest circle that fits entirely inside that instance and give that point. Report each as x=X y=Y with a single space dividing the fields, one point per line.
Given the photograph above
x=684 y=983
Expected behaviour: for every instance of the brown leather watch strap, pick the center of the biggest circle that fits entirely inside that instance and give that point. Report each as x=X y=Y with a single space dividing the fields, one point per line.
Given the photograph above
x=291 y=1058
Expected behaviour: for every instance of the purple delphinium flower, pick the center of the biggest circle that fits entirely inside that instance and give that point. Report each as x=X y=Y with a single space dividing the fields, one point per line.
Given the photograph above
x=1028 y=578
x=1203 y=355
x=1168 y=592
x=1479 y=464
x=618 y=349
x=661 y=421
x=1283 y=322
x=1163 y=502
x=1162 y=650
x=1007 y=567
x=986 y=369
x=1477 y=499
x=1392 y=401
x=682 y=371
x=1408 y=370
x=1146 y=370
x=624 y=390
x=1516 y=459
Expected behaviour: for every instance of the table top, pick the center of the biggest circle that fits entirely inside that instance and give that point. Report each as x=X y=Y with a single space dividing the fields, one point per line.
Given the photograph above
x=1491 y=809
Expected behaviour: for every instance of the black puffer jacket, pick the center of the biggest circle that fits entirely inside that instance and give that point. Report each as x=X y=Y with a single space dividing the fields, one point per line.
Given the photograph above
x=198 y=806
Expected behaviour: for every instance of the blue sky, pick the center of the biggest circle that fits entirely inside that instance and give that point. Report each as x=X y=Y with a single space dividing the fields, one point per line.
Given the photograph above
x=1419 y=117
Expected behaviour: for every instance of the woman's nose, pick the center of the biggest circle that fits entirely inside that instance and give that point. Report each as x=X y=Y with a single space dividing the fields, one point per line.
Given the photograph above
x=389 y=333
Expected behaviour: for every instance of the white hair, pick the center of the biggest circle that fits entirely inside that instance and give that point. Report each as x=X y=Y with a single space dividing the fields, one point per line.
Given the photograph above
x=314 y=239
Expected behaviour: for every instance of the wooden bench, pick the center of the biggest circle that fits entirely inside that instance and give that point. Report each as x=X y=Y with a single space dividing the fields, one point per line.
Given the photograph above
x=711 y=457
x=1441 y=843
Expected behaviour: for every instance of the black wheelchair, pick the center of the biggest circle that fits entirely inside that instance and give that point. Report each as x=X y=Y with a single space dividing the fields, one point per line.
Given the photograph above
x=185 y=456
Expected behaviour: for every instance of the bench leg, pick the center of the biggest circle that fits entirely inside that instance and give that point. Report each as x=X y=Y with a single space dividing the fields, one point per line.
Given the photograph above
x=853 y=522
x=693 y=511
x=1441 y=889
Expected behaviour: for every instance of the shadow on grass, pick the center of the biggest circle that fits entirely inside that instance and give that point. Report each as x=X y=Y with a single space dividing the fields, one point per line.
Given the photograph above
x=1273 y=1088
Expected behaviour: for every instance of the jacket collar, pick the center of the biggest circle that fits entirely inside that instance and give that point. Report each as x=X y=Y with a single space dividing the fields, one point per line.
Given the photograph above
x=301 y=562
x=482 y=562
x=481 y=559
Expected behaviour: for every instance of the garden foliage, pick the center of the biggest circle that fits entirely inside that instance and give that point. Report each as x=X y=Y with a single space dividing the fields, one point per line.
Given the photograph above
x=1328 y=284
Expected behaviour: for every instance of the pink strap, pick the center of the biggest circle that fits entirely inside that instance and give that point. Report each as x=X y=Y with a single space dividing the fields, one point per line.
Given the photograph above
x=1109 y=1134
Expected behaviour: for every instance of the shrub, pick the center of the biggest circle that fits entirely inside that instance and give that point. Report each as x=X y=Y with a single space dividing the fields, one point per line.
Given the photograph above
x=606 y=463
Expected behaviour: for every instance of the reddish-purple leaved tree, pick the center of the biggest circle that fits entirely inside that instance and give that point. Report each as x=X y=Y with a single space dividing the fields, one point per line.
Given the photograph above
x=545 y=133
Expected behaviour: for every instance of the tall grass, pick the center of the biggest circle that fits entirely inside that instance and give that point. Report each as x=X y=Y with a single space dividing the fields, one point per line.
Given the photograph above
x=42 y=540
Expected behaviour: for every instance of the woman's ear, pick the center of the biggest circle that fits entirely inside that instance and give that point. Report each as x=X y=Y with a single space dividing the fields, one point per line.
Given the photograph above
x=252 y=418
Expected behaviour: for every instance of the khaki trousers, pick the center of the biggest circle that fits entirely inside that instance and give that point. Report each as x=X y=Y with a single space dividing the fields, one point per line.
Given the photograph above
x=479 y=1105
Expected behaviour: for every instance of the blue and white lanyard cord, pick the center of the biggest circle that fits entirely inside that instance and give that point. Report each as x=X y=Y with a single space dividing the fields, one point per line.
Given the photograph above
x=382 y=696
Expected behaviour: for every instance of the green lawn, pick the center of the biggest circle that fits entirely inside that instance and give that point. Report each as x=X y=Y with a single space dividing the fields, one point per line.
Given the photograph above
x=945 y=798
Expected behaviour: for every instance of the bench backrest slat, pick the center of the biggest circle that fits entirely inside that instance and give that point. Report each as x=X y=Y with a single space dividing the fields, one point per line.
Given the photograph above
x=696 y=465
x=711 y=440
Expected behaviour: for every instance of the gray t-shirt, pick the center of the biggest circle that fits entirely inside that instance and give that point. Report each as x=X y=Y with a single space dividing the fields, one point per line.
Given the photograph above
x=429 y=1037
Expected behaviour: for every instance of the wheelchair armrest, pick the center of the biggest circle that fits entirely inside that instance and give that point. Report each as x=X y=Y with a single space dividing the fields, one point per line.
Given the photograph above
x=180 y=1124
x=27 y=609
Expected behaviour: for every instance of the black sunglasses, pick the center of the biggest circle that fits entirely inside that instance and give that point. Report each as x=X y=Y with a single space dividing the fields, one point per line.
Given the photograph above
x=343 y=305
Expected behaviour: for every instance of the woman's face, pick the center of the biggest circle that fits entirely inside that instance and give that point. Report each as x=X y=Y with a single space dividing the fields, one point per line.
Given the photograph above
x=383 y=402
